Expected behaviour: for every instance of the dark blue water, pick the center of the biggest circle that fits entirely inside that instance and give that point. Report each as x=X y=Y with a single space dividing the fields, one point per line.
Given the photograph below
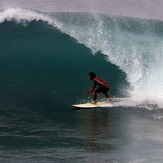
x=43 y=72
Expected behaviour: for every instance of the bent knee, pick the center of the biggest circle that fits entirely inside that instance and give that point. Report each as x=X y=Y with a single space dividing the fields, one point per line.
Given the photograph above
x=94 y=91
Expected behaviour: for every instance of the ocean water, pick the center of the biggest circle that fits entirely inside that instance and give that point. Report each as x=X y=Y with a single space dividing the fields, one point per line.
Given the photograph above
x=47 y=49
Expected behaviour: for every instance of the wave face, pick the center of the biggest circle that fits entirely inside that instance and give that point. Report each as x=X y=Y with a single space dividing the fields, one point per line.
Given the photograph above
x=131 y=44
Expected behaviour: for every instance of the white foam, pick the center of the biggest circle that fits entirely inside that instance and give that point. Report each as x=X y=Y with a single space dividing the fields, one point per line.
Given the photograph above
x=22 y=15
x=138 y=102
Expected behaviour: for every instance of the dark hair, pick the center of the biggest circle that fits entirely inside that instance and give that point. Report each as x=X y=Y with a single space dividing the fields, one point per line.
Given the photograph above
x=92 y=74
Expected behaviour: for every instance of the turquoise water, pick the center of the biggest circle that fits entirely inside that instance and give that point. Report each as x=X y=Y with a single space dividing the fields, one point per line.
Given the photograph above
x=39 y=63
x=44 y=64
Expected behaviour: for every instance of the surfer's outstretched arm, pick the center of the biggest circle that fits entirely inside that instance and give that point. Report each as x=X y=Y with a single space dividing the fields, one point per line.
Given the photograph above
x=92 y=89
x=94 y=93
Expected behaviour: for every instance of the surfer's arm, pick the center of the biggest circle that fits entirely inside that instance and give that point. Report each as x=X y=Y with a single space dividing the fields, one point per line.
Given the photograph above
x=93 y=87
x=102 y=82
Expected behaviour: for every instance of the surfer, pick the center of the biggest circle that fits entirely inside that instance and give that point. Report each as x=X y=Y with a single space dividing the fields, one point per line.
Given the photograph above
x=103 y=87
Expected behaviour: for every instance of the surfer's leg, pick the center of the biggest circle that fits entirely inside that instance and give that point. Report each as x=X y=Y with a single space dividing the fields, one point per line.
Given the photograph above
x=94 y=97
x=104 y=91
x=107 y=96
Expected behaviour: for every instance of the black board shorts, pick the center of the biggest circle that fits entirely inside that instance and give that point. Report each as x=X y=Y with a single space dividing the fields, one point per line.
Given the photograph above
x=101 y=89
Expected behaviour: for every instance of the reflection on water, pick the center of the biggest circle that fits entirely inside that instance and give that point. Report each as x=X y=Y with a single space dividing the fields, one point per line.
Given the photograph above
x=98 y=129
x=100 y=133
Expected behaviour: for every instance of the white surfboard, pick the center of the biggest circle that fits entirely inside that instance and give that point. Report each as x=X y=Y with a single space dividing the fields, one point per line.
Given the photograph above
x=89 y=105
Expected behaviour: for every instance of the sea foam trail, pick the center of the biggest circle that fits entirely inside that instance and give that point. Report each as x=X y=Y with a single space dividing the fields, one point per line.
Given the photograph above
x=134 y=45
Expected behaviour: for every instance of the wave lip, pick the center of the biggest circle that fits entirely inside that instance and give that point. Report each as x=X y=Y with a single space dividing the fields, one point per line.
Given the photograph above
x=22 y=15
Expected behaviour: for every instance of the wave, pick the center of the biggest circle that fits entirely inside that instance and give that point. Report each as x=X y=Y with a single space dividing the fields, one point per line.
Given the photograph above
x=132 y=44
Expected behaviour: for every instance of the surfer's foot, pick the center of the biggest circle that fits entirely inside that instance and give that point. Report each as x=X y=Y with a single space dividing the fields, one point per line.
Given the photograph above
x=110 y=101
x=94 y=103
